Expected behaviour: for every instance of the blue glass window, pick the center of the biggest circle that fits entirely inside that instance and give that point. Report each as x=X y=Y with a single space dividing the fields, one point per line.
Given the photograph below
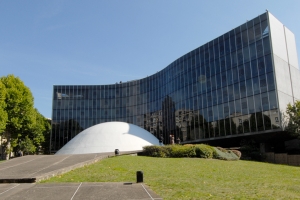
x=245 y=38
x=255 y=85
x=247 y=70
x=254 y=71
x=252 y=51
x=249 y=87
x=270 y=81
x=261 y=66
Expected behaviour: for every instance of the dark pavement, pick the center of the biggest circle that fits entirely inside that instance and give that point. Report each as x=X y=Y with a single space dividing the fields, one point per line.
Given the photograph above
x=30 y=169
x=73 y=191
x=18 y=177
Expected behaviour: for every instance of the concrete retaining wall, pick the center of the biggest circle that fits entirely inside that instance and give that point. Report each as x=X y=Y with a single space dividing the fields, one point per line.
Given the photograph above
x=283 y=158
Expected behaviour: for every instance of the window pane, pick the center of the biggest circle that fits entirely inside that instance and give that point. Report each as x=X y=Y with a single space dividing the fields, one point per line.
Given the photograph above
x=261 y=66
x=251 y=35
x=251 y=104
x=232 y=44
x=225 y=94
x=218 y=80
x=249 y=87
x=257 y=102
x=245 y=38
x=221 y=48
x=231 y=108
x=240 y=56
x=216 y=48
x=246 y=54
x=272 y=99
x=227 y=46
x=230 y=93
x=265 y=101
x=235 y=75
x=252 y=51
x=219 y=93
x=241 y=72
x=255 y=85
x=243 y=89
x=247 y=70
x=224 y=79
x=217 y=66
x=254 y=71
x=269 y=66
x=244 y=105
x=267 y=120
x=265 y=28
x=259 y=48
x=266 y=44
x=263 y=83
x=223 y=64
x=238 y=41
x=238 y=109
x=246 y=123
x=230 y=60
x=253 y=123
x=259 y=121
x=229 y=77
x=236 y=91
x=257 y=31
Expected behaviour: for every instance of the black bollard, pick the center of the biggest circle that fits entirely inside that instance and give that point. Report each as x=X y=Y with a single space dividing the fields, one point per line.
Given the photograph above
x=139 y=176
x=117 y=152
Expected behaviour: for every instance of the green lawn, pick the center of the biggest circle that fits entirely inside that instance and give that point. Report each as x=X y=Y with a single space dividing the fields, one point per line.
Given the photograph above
x=194 y=178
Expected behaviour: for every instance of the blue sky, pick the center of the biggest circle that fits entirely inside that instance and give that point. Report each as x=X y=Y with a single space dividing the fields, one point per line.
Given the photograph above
x=71 y=42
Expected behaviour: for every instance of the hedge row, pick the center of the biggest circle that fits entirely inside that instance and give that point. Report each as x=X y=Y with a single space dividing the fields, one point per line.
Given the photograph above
x=199 y=150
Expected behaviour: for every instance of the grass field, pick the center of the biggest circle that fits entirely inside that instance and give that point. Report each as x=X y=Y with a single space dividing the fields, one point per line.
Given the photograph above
x=195 y=178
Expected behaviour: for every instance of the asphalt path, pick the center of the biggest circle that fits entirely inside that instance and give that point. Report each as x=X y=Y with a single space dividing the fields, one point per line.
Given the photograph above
x=76 y=191
x=19 y=177
x=34 y=168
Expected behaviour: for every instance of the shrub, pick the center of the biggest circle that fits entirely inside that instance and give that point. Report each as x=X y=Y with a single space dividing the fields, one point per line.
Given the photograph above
x=175 y=151
x=155 y=151
x=228 y=155
x=200 y=150
x=178 y=151
x=236 y=152
x=186 y=145
x=222 y=149
x=204 y=151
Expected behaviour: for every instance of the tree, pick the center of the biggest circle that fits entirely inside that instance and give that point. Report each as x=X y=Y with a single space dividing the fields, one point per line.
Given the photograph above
x=19 y=110
x=3 y=114
x=293 y=117
x=27 y=146
x=38 y=131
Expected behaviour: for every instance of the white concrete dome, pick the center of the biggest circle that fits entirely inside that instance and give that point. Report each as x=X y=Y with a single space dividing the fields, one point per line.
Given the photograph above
x=106 y=137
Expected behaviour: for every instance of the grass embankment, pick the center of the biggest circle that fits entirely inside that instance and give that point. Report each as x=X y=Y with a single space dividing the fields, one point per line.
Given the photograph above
x=194 y=178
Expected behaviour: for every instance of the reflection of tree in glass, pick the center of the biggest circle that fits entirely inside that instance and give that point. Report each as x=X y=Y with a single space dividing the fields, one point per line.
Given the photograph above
x=157 y=131
x=260 y=119
x=69 y=129
x=240 y=128
x=246 y=126
x=221 y=128
x=196 y=127
x=168 y=117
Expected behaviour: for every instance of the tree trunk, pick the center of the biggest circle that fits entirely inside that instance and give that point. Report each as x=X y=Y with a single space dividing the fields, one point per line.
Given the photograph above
x=8 y=146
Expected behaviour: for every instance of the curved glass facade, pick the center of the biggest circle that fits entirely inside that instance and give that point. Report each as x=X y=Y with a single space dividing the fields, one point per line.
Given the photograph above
x=223 y=88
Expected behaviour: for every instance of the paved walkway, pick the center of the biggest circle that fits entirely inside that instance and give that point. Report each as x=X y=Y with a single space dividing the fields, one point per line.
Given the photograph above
x=18 y=177
x=73 y=191
x=30 y=169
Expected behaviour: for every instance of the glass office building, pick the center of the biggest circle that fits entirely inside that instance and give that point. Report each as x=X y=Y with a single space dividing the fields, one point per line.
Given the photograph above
x=233 y=86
